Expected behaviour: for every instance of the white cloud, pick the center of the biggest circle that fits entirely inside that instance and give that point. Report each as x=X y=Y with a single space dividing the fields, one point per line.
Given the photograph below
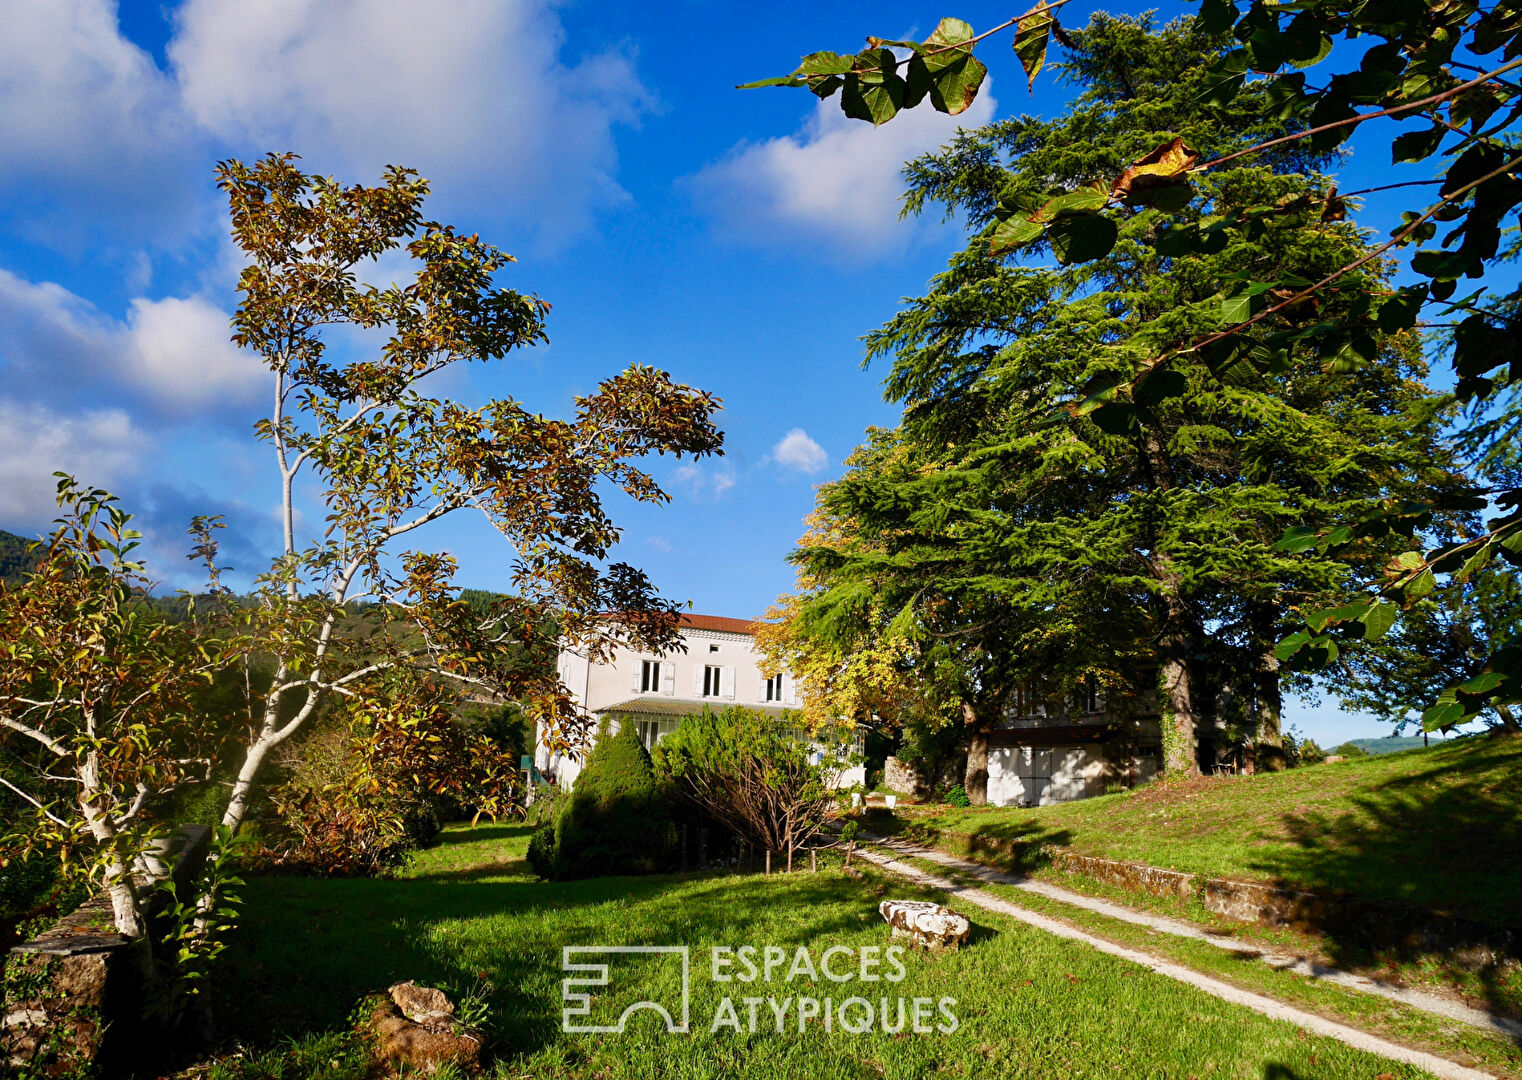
x=90 y=126
x=180 y=350
x=171 y=355
x=797 y=451
x=836 y=182
x=100 y=448
x=703 y=485
x=475 y=97
x=660 y=543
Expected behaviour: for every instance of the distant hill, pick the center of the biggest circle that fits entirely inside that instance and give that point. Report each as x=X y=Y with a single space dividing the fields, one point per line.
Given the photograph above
x=1391 y=743
x=13 y=559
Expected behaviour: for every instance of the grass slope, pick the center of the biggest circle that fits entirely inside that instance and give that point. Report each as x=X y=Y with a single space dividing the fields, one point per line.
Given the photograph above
x=1438 y=828
x=1029 y=1005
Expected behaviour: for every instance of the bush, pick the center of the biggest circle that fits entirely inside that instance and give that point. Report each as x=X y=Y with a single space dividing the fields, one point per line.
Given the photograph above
x=1351 y=750
x=957 y=796
x=541 y=851
x=614 y=821
x=752 y=773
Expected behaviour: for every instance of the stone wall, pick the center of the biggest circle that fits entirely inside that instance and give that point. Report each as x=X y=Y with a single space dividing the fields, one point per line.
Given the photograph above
x=1380 y=927
x=911 y=778
x=75 y=993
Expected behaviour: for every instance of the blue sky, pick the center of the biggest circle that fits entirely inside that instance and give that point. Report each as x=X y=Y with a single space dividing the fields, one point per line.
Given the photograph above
x=743 y=241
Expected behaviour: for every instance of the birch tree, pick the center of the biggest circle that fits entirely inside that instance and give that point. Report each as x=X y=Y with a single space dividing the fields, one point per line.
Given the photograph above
x=356 y=422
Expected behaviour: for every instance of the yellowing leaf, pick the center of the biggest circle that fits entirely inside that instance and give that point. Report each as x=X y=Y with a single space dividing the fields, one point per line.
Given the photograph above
x=1163 y=167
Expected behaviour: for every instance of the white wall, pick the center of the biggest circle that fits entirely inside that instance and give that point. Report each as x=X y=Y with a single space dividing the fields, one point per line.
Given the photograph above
x=603 y=685
x=1027 y=776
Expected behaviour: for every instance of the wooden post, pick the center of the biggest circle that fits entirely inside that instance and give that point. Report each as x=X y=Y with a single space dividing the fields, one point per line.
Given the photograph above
x=768 y=860
x=813 y=861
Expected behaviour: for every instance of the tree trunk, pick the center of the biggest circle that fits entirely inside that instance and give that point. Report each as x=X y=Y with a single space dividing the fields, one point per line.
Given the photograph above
x=1174 y=700
x=1508 y=720
x=979 y=724
x=1267 y=746
x=1175 y=703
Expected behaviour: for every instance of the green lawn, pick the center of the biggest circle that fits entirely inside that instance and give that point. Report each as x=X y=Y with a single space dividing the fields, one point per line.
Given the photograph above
x=1438 y=828
x=1028 y=1004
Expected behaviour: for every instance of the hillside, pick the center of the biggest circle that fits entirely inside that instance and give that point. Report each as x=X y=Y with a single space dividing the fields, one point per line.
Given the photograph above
x=12 y=555
x=1361 y=826
x=1392 y=743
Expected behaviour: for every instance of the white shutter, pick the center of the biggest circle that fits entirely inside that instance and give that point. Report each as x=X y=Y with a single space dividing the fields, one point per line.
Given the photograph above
x=668 y=678
x=638 y=671
x=697 y=680
x=789 y=689
x=727 y=683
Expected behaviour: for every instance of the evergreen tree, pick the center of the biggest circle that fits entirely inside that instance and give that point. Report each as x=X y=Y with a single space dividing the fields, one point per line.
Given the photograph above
x=615 y=820
x=1023 y=549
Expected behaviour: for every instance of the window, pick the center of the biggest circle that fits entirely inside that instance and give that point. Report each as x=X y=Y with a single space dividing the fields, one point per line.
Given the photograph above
x=1088 y=695
x=653 y=731
x=713 y=648
x=711 y=680
x=650 y=677
x=772 y=688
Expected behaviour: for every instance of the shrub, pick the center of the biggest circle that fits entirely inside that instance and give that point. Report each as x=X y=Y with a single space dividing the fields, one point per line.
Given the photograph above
x=750 y=772
x=957 y=796
x=614 y=821
x=1351 y=750
x=541 y=850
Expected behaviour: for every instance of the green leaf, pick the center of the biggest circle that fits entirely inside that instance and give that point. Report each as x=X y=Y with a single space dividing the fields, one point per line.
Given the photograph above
x=1291 y=645
x=873 y=91
x=1224 y=78
x=1078 y=238
x=782 y=80
x=1475 y=563
x=1081 y=200
x=1445 y=713
x=1031 y=39
x=1482 y=683
x=1420 y=586
x=825 y=63
x=1012 y=233
x=1400 y=311
x=1379 y=620
x=1416 y=145
x=1296 y=539
x=954 y=81
x=1159 y=385
x=1216 y=17
x=1115 y=418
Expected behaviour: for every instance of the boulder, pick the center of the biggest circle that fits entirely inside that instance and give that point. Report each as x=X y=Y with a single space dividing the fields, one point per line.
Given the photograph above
x=422 y=1004
x=417 y=1027
x=927 y=924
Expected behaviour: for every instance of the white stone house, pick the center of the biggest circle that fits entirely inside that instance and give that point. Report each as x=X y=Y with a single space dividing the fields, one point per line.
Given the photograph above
x=717 y=668
x=1044 y=752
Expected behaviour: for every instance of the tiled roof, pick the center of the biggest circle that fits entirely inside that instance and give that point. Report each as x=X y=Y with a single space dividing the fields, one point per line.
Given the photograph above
x=719 y=622
x=659 y=705
x=712 y=622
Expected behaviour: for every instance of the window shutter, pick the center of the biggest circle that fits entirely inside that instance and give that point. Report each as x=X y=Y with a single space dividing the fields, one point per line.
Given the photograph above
x=789 y=689
x=635 y=680
x=727 y=683
x=668 y=678
x=697 y=680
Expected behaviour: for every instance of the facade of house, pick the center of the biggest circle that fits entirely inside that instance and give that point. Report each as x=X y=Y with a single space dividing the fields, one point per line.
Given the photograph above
x=717 y=668
x=1043 y=752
